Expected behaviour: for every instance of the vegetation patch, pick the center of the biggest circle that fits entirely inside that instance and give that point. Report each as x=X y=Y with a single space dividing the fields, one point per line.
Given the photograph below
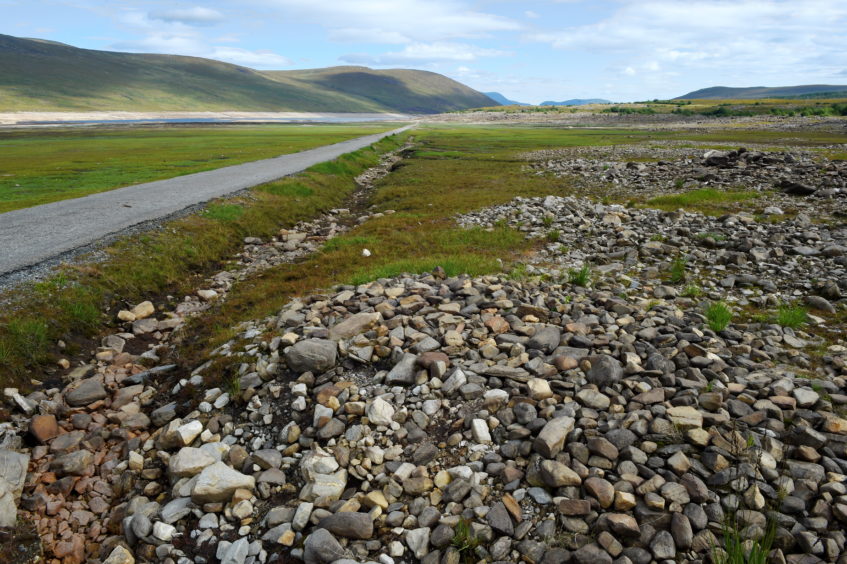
x=169 y=261
x=705 y=200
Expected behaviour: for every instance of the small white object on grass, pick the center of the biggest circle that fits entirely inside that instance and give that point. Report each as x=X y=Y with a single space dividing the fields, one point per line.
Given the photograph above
x=366 y=253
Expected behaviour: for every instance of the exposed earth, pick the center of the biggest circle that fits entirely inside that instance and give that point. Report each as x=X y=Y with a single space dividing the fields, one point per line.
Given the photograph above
x=588 y=406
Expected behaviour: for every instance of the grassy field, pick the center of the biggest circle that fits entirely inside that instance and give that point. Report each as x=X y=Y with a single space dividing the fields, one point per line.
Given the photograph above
x=452 y=169
x=46 y=165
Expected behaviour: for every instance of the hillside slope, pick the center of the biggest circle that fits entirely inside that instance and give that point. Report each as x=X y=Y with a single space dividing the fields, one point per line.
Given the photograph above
x=410 y=91
x=755 y=92
x=43 y=75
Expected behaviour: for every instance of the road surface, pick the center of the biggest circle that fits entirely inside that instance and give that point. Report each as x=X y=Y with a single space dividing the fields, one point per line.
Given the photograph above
x=32 y=236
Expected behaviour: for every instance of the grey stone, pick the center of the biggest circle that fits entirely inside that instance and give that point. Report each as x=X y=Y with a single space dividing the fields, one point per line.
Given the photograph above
x=86 y=392
x=349 y=525
x=500 y=520
x=605 y=371
x=312 y=355
x=403 y=372
x=551 y=439
x=322 y=548
x=662 y=546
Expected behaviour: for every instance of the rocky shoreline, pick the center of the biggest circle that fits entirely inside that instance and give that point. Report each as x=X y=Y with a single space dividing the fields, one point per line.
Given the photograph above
x=524 y=417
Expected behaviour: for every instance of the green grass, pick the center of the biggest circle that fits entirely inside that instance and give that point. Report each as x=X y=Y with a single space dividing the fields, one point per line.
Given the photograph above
x=737 y=550
x=790 y=315
x=46 y=165
x=224 y=212
x=718 y=316
x=705 y=200
x=677 y=272
x=579 y=276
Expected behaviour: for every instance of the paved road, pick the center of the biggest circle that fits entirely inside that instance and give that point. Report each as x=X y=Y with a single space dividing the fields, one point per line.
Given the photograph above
x=32 y=236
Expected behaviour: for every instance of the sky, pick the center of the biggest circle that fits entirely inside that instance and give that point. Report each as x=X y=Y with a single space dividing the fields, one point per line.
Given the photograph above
x=530 y=51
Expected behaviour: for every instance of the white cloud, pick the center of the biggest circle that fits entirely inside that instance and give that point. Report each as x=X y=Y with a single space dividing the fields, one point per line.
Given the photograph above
x=190 y=16
x=531 y=15
x=405 y=21
x=629 y=71
x=426 y=53
x=195 y=46
x=759 y=37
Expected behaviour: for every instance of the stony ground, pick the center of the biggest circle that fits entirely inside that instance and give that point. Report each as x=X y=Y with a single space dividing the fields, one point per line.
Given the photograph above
x=787 y=181
x=535 y=416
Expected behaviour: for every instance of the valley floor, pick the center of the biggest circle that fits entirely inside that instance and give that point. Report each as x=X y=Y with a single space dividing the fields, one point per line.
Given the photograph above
x=496 y=344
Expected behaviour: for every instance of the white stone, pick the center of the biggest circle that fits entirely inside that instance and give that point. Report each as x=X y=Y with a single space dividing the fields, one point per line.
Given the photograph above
x=189 y=431
x=207 y=295
x=479 y=428
x=218 y=482
x=301 y=516
x=418 y=541
x=380 y=412
x=163 y=531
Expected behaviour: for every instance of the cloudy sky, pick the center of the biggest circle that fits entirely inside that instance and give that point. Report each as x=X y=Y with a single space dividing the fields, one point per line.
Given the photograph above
x=531 y=51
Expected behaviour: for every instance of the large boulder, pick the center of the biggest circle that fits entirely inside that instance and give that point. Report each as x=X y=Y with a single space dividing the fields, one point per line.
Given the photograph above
x=86 y=392
x=217 y=482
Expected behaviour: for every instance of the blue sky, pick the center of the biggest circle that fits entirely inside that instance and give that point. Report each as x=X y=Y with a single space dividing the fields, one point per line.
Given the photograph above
x=531 y=51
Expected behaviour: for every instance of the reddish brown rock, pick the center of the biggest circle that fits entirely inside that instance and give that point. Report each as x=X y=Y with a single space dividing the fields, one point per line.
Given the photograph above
x=43 y=428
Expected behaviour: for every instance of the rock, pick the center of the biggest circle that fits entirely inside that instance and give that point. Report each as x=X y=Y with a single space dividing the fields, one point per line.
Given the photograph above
x=218 y=482
x=120 y=555
x=142 y=310
x=236 y=553
x=349 y=525
x=85 y=392
x=418 y=541
x=479 y=429
x=591 y=554
x=380 y=412
x=819 y=303
x=312 y=355
x=403 y=373
x=189 y=462
x=556 y=475
x=13 y=469
x=662 y=546
x=551 y=439
x=539 y=389
x=43 y=427
x=354 y=325
x=600 y=489
x=685 y=417
x=163 y=531
x=605 y=371
x=75 y=463
x=499 y=520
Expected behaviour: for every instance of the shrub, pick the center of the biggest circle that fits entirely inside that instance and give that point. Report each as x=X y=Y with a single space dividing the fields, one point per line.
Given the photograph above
x=677 y=270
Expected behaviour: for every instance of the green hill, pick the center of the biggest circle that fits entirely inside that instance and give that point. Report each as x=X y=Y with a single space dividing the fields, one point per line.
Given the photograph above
x=48 y=76
x=756 y=92
x=410 y=91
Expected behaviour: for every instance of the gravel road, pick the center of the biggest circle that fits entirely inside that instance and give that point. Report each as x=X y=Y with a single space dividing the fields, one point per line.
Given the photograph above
x=33 y=236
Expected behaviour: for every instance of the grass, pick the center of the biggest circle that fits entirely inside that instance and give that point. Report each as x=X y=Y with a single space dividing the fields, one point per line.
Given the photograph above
x=46 y=165
x=580 y=276
x=465 y=541
x=705 y=200
x=692 y=291
x=738 y=550
x=158 y=263
x=791 y=315
x=677 y=271
x=718 y=316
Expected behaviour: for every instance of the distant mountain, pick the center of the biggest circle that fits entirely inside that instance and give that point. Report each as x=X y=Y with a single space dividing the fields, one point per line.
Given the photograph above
x=752 y=93
x=44 y=75
x=497 y=97
x=577 y=102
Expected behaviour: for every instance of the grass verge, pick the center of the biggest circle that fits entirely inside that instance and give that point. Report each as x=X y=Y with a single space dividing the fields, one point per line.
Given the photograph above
x=79 y=302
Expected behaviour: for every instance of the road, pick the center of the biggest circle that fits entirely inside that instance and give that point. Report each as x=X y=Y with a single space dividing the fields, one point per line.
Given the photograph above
x=32 y=236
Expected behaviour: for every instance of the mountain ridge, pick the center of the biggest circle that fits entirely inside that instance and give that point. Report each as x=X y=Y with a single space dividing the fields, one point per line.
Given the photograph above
x=42 y=75
x=757 y=92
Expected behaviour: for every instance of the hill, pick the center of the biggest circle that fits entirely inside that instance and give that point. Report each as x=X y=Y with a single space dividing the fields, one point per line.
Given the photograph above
x=44 y=75
x=577 y=102
x=404 y=90
x=497 y=97
x=756 y=92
